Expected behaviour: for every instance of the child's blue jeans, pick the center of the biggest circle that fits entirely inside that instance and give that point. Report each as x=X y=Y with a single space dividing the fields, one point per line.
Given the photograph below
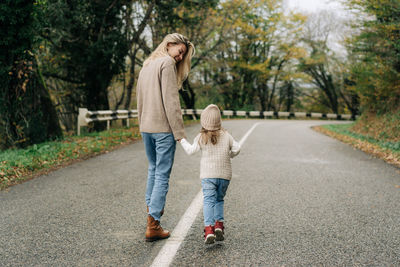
x=160 y=151
x=214 y=190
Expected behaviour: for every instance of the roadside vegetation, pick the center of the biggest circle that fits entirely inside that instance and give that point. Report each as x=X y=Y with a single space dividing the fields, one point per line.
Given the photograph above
x=21 y=164
x=374 y=75
x=18 y=165
x=375 y=135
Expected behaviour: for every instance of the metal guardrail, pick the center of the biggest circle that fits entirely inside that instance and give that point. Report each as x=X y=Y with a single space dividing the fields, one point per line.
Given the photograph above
x=85 y=116
x=279 y=114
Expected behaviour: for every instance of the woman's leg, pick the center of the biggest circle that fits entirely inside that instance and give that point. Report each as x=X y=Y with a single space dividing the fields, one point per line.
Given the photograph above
x=209 y=193
x=165 y=146
x=222 y=187
x=149 y=146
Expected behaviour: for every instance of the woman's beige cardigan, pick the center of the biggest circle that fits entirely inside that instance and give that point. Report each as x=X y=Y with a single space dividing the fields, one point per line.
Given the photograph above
x=158 y=103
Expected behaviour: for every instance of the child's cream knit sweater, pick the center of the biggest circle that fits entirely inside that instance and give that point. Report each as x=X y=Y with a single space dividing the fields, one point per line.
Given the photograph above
x=215 y=159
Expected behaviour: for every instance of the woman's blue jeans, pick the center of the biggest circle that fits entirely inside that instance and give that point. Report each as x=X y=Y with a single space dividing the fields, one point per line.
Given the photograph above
x=160 y=151
x=214 y=190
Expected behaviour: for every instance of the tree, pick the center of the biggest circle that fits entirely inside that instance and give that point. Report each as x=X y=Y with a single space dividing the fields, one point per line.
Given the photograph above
x=259 y=46
x=88 y=41
x=27 y=115
x=317 y=66
x=194 y=19
x=325 y=68
x=161 y=18
x=136 y=17
x=376 y=54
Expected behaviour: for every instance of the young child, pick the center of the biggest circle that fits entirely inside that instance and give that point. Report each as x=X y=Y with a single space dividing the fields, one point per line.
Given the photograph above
x=217 y=148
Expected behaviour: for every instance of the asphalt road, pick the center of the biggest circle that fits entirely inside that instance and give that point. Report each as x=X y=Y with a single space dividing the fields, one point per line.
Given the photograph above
x=296 y=198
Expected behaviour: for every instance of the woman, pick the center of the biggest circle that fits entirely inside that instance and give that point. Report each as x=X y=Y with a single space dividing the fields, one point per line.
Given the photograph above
x=160 y=120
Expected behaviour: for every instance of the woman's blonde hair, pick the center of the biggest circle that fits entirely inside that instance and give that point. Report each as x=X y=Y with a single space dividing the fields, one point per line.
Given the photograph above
x=182 y=67
x=207 y=135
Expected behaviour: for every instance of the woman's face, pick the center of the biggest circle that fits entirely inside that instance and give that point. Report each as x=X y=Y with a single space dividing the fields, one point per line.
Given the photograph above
x=177 y=51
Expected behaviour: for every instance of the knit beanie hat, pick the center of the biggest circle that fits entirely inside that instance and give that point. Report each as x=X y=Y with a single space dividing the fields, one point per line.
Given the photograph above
x=210 y=118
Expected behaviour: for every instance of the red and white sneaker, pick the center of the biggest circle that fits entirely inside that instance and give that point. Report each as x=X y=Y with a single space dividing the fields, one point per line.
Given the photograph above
x=219 y=231
x=209 y=236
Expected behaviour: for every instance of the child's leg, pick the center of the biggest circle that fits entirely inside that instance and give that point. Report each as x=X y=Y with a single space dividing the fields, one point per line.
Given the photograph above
x=222 y=186
x=219 y=209
x=210 y=194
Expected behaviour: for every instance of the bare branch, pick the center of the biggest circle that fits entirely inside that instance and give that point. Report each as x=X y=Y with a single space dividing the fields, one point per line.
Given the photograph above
x=57 y=76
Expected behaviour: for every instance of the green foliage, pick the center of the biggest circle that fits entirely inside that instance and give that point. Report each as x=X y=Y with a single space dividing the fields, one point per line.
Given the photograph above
x=381 y=142
x=379 y=126
x=252 y=67
x=169 y=16
x=17 y=164
x=26 y=112
x=317 y=65
x=376 y=70
x=191 y=18
x=88 y=45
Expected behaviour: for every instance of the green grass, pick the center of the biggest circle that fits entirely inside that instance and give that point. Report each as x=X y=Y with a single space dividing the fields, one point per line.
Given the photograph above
x=345 y=129
x=17 y=165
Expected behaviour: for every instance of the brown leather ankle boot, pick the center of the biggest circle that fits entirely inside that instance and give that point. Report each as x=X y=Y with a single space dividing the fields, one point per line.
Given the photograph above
x=154 y=231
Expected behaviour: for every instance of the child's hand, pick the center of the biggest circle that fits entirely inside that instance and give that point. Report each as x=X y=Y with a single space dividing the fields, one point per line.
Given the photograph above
x=190 y=149
x=235 y=150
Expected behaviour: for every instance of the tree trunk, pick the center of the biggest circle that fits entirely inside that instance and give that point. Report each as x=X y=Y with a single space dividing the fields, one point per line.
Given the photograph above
x=129 y=88
x=188 y=95
x=290 y=97
x=97 y=95
x=48 y=110
x=27 y=114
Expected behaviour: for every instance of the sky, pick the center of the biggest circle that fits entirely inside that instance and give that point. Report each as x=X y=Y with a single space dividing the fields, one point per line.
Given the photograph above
x=314 y=5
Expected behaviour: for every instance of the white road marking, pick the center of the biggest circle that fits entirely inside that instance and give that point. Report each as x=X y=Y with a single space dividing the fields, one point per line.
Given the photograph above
x=171 y=246
x=168 y=251
x=248 y=133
